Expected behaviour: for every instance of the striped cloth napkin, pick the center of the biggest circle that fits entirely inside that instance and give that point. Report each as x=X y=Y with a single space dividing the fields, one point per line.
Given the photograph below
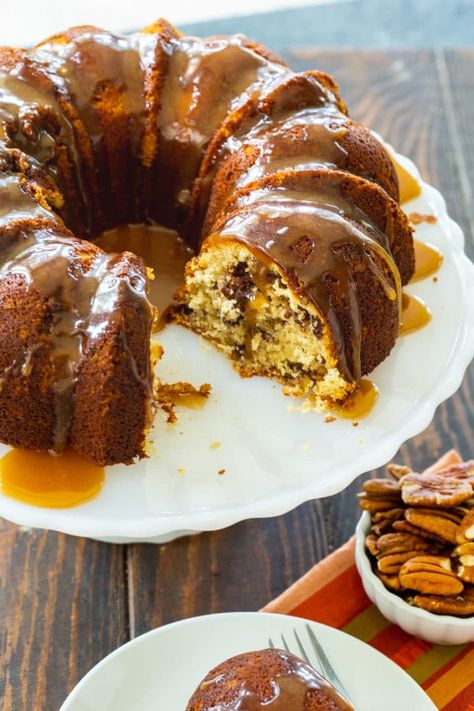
x=332 y=593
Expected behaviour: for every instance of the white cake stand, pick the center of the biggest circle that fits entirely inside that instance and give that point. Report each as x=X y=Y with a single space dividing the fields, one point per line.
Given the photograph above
x=275 y=458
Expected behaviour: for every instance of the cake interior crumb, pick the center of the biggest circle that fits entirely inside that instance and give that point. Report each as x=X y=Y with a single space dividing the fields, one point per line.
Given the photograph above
x=250 y=312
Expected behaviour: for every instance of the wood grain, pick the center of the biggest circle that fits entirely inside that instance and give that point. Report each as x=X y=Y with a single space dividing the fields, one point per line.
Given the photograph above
x=62 y=608
x=66 y=602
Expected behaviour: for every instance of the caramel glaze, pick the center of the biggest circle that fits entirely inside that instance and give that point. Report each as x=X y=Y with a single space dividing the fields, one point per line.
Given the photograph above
x=291 y=690
x=37 y=137
x=99 y=69
x=205 y=80
x=299 y=122
x=320 y=240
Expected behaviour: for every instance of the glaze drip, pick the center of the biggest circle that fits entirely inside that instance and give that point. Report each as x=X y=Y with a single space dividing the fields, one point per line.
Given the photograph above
x=206 y=79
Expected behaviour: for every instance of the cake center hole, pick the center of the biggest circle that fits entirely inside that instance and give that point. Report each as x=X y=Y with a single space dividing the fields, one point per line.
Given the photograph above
x=162 y=250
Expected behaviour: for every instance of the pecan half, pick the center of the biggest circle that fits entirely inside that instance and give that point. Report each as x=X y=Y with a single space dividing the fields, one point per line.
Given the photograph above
x=390 y=581
x=434 y=522
x=459 y=606
x=401 y=542
x=374 y=505
x=390 y=515
x=430 y=575
x=465 y=554
x=371 y=544
x=391 y=563
x=463 y=470
x=406 y=527
x=466 y=528
x=398 y=470
x=382 y=488
x=381 y=528
x=434 y=490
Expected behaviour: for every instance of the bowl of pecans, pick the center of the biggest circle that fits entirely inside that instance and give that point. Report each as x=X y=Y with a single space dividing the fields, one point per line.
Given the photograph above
x=415 y=549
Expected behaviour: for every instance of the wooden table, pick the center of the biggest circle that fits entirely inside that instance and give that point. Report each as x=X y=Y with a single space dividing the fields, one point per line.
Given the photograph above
x=65 y=602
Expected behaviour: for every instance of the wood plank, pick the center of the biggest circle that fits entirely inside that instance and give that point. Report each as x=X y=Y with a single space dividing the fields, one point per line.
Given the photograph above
x=397 y=94
x=457 y=72
x=63 y=607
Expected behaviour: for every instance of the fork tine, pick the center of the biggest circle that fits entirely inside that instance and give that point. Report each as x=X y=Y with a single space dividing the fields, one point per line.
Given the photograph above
x=325 y=664
x=301 y=648
x=270 y=643
x=285 y=645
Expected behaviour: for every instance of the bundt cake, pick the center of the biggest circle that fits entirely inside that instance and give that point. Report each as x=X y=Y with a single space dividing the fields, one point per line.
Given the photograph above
x=290 y=207
x=268 y=679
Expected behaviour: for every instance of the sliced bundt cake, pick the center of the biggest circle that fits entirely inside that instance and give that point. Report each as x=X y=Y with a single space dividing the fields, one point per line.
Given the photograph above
x=291 y=208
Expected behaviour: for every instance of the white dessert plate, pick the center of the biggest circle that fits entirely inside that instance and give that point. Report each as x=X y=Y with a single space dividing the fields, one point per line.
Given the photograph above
x=248 y=453
x=161 y=669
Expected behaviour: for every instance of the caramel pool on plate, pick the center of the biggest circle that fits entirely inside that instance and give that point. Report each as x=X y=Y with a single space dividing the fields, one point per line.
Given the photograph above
x=428 y=260
x=50 y=481
x=415 y=314
x=410 y=188
x=360 y=403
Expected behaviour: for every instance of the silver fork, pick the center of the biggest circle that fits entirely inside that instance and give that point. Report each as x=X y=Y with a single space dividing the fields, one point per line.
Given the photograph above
x=325 y=666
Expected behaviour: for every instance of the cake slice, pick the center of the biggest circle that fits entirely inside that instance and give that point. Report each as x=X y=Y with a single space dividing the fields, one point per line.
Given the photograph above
x=296 y=277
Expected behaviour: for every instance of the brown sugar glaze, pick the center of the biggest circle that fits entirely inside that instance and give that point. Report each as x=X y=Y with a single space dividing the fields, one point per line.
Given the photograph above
x=227 y=72
x=291 y=691
x=41 y=479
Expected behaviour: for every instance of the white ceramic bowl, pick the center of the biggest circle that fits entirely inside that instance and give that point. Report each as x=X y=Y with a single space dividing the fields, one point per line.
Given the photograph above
x=437 y=629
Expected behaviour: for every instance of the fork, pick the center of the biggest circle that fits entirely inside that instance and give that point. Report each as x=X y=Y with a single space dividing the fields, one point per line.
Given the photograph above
x=325 y=666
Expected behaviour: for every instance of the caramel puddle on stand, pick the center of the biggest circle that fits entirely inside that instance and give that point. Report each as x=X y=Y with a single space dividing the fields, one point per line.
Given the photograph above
x=161 y=250
x=360 y=403
x=51 y=481
x=428 y=260
x=415 y=314
x=193 y=401
x=410 y=188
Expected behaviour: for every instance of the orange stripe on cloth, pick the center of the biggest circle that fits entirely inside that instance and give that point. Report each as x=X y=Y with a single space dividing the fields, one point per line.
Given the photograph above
x=398 y=645
x=452 y=683
x=330 y=607
x=445 y=668
x=463 y=701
